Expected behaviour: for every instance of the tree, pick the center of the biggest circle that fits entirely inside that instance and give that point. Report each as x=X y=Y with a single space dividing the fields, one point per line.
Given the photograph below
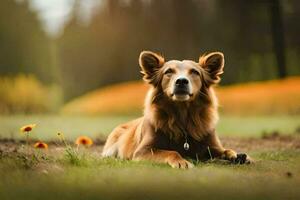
x=278 y=36
x=25 y=47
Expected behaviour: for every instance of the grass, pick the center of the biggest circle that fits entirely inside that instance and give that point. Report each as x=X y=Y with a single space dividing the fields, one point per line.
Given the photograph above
x=54 y=174
x=96 y=178
x=100 y=126
x=281 y=97
x=49 y=125
x=255 y=126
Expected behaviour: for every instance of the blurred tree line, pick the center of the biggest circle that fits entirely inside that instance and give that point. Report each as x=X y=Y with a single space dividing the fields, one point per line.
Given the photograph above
x=24 y=46
x=260 y=40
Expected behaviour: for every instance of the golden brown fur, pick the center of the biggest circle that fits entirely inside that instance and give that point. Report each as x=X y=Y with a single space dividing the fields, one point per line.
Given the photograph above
x=175 y=112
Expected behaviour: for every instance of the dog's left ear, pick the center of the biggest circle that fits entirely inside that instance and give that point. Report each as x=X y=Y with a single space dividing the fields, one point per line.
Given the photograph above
x=213 y=64
x=150 y=63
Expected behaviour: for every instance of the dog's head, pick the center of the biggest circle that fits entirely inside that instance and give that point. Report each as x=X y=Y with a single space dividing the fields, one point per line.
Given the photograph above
x=181 y=80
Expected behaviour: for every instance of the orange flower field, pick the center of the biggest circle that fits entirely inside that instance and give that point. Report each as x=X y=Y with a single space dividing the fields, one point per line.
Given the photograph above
x=263 y=98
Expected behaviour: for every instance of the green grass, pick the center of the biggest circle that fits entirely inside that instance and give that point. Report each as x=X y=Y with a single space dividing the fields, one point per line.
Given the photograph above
x=73 y=126
x=100 y=178
x=253 y=126
x=53 y=175
x=49 y=125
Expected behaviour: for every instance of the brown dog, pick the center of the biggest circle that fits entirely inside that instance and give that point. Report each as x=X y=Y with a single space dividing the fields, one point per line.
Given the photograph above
x=180 y=114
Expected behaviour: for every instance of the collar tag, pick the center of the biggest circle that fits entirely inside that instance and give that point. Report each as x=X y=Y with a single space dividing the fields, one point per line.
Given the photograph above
x=186 y=146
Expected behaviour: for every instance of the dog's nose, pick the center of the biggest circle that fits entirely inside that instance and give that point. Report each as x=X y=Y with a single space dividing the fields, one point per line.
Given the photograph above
x=182 y=82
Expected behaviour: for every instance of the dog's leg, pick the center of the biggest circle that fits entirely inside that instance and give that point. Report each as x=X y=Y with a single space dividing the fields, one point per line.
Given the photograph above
x=218 y=151
x=146 y=152
x=111 y=147
x=172 y=158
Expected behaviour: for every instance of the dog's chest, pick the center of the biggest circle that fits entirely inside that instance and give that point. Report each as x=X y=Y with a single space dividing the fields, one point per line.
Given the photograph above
x=197 y=150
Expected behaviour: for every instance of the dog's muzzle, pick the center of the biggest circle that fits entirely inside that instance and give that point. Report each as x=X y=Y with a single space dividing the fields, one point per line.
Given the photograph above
x=181 y=87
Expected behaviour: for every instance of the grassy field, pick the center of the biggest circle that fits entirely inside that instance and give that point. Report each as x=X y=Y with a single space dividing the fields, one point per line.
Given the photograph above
x=101 y=126
x=52 y=175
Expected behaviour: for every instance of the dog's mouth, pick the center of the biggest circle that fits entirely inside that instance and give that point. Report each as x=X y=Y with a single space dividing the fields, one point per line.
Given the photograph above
x=181 y=94
x=181 y=91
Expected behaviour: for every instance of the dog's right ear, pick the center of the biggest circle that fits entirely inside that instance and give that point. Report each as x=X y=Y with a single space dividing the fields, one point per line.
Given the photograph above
x=150 y=63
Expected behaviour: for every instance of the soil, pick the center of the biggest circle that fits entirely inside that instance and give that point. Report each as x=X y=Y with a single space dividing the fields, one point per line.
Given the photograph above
x=270 y=142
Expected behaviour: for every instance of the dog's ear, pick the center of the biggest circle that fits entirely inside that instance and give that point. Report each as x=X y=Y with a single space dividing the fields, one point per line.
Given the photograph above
x=213 y=64
x=150 y=63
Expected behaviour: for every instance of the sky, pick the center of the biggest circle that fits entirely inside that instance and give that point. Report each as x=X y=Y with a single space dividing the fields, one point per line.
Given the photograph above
x=55 y=13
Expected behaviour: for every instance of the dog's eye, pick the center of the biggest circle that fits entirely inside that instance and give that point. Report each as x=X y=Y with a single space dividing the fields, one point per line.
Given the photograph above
x=193 y=71
x=169 y=71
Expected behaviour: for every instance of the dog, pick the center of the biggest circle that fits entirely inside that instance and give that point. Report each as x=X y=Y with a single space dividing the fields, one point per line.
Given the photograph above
x=180 y=115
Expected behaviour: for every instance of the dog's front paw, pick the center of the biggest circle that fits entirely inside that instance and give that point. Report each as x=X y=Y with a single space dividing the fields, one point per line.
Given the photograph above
x=229 y=155
x=180 y=163
x=237 y=158
x=243 y=158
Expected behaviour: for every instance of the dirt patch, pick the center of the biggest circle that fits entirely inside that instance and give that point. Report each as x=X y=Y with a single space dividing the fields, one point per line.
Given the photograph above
x=28 y=155
x=11 y=147
x=271 y=142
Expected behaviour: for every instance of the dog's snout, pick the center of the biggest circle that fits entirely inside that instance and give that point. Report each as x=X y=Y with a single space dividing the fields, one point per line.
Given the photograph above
x=182 y=82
